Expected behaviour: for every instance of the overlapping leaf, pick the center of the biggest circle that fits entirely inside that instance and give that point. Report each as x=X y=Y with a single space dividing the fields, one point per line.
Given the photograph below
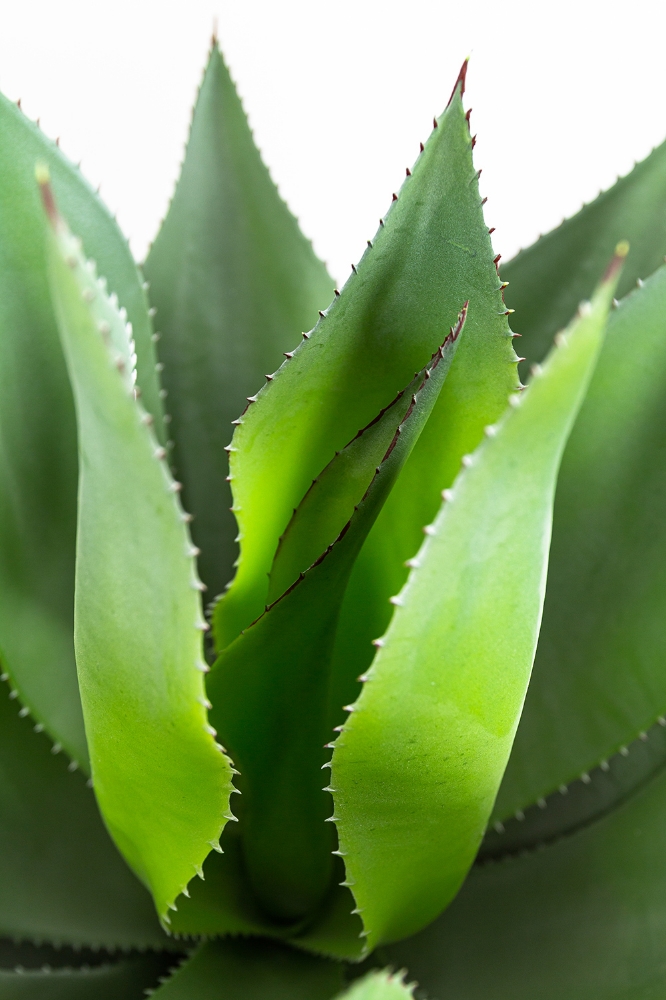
x=550 y=278
x=417 y=765
x=162 y=782
x=234 y=282
x=598 y=677
x=62 y=877
x=379 y=986
x=584 y=918
x=253 y=970
x=38 y=464
x=432 y=253
x=128 y=978
x=270 y=688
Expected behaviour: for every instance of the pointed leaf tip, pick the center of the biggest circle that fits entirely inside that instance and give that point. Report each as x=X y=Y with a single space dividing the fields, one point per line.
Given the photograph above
x=621 y=251
x=460 y=82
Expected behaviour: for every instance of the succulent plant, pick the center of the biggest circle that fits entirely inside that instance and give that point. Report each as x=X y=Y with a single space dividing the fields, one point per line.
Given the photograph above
x=337 y=611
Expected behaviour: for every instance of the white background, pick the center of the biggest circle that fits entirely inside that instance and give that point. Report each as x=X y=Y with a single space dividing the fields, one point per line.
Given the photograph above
x=566 y=95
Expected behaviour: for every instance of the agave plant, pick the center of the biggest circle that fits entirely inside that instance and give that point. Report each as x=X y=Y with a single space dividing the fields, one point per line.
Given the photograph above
x=374 y=603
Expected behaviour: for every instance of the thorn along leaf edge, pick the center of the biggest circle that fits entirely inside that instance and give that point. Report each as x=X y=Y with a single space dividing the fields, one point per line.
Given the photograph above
x=111 y=324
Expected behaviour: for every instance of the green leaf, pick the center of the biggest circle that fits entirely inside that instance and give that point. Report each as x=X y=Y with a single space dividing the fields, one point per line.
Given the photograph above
x=38 y=461
x=432 y=252
x=577 y=804
x=253 y=970
x=62 y=877
x=270 y=689
x=161 y=781
x=598 y=677
x=127 y=978
x=583 y=919
x=550 y=278
x=418 y=762
x=234 y=282
x=379 y=986
x=334 y=494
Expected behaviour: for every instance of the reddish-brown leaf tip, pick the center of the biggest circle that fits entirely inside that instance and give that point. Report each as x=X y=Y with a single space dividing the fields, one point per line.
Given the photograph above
x=460 y=82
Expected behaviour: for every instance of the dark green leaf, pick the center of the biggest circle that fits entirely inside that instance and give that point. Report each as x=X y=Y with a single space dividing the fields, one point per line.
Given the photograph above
x=126 y=979
x=431 y=254
x=253 y=970
x=550 y=278
x=62 y=877
x=599 y=675
x=234 y=282
x=583 y=919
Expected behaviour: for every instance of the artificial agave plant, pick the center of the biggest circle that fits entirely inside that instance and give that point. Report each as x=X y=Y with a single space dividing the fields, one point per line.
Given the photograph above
x=350 y=649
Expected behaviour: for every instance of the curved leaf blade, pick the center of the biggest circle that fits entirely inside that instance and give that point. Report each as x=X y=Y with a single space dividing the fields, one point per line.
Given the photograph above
x=38 y=460
x=138 y=619
x=550 y=278
x=62 y=877
x=234 y=283
x=383 y=985
x=576 y=805
x=331 y=500
x=408 y=288
x=598 y=677
x=584 y=918
x=419 y=760
x=270 y=695
x=252 y=970
x=128 y=978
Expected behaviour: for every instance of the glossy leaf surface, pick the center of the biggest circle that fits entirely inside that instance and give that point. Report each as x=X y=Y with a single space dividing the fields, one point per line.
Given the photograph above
x=584 y=918
x=235 y=283
x=162 y=783
x=253 y=970
x=550 y=278
x=62 y=877
x=432 y=252
x=270 y=691
x=419 y=760
x=598 y=678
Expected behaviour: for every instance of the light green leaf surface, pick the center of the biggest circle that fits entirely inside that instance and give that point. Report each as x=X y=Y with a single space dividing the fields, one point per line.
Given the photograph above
x=418 y=762
x=379 y=986
x=270 y=693
x=599 y=672
x=234 y=283
x=550 y=278
x=253 y=970
x=62 y=877
x=38 y=462
x=161 y=781
x=127 y=979
x=583 y=919
x=334 y=494
x=432 y=252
